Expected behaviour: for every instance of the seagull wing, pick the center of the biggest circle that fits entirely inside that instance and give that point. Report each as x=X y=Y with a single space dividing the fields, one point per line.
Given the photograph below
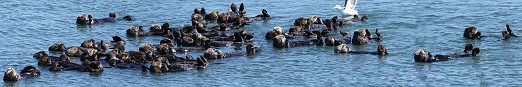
x=350 y=4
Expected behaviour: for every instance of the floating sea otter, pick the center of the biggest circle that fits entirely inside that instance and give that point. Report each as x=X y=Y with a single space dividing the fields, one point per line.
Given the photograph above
x=469 y=50
x=28 y=71
x=280 y=41
x=343 y=48
x=88 y=20
x=212 y=53
x=362 y=37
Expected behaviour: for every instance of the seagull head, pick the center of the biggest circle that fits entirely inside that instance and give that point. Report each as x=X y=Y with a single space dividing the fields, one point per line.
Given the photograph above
x=338 y=7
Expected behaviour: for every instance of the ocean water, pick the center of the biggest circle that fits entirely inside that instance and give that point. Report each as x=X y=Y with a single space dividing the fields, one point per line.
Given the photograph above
x=28 y=26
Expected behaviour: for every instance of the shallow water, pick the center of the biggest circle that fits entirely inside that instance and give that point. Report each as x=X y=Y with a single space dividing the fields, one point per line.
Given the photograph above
x=407 y=25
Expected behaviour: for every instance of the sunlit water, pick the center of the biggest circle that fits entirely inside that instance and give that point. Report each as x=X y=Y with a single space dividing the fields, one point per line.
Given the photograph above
x=28 y=26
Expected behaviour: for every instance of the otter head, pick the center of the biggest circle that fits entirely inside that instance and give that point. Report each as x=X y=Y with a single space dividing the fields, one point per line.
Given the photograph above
x=30 y=71
x=40 y=55
x=265 y=13
x=90 y=43
x=335 y=22
x=133 y=31
x=360 y=32
x=301 y=22
x=165 y=26
x=57 y=47
x=197 y=17
x=146 y=48
x=468 y=48
x=356 y=17
x=343 y=48
x=213 y=15
x=167 y=41
x=155 y=28
x=382 y=50
x=278 y=30
x=251 y=49
x=112 y=15
x=212 y=53
x=471 y=32
x=164 y=49
x=95 y=66
x=45 y=61
x=420 y=55
x=11 y=75
x=475 y=51
x=330 y=41
x=328 y=23
x=313 y=19
x=74 y=51
x=84 y=19
x=280 y=41
x=223 y=18
x=89 y=54
x=505 y=35
x=156 y=66
x=124 y=57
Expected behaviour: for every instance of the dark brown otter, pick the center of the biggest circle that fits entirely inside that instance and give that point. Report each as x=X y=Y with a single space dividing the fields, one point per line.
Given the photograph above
x=30 y=71
x=136 y=31
x=57 y=47
x=264 y=14
x=420 y=55
x=11 y=75
x=90 y=43
x=471 y=33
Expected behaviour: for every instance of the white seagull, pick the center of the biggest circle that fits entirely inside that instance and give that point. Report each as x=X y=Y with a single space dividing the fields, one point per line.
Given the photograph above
x=348 y=9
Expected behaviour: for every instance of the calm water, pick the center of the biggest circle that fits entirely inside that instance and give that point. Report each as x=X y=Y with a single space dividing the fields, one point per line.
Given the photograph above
x=28 y=26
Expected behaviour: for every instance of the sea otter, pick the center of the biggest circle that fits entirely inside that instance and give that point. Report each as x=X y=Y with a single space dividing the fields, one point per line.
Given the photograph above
x=136 y=31
x=57 y=47
x=86 y=19
x=275 y=32
x=472 y=33
x=281 y=41
x=420 y=55
x=362 y=37
x=343 y=48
